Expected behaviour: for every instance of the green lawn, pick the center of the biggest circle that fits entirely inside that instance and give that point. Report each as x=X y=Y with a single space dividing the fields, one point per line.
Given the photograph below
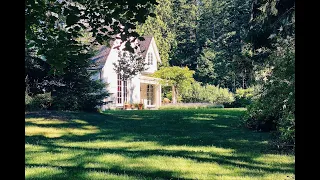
x=162 y=144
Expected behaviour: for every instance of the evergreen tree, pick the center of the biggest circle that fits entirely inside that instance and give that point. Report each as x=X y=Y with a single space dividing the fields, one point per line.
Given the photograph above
x=161 y=27
x=185 y=50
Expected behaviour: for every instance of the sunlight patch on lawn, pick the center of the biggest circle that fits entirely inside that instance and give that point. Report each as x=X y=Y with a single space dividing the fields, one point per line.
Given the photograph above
x=100 y=144
x=178 y=166
x=198 y=118
x=45 y=121
x=245 y=141
x=276 y=159
x=34 y=148
x=51 y=132
x=207 y=115
x=42 y=172
x=142 y=145
x=105 y=175
x=79 y=121
x=63 y=158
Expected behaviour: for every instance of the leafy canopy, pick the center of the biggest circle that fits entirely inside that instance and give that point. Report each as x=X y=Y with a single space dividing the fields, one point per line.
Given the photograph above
x=49 y=22
x=129 y=64
x=175 y=76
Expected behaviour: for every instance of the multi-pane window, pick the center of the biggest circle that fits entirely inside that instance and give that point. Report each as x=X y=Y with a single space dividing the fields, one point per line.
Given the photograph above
x=119 y=90
x=150 y=59
x=149 y=94
x=122 y=90
x=125 y=91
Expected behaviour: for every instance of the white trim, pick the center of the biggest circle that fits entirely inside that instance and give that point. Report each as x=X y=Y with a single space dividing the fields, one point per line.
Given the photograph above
x=154 y=45
x=149 y=80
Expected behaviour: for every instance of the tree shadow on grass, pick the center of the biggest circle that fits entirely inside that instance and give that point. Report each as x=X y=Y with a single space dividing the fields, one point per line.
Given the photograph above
x=78 y=172
x=166 y=128
x=211 y=157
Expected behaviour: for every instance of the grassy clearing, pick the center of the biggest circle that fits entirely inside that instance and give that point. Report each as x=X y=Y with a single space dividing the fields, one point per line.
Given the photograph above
x=163 y=144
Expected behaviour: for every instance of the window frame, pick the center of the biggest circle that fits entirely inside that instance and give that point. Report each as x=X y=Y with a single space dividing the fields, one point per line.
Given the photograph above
x=150 y=94
x=119 y=89
x=122 y=90
x=150 y=58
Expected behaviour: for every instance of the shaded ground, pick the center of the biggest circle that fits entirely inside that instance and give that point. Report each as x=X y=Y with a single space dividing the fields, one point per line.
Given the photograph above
x=163 y=144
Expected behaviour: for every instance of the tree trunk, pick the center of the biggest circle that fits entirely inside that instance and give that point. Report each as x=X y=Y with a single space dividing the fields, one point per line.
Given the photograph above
x=174 y=99
x=243 y=78
x=243 y=82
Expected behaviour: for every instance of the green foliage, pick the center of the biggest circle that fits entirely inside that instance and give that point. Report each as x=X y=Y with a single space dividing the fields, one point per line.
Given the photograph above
x=27 y=99
x=38 y=102
x=275 y=103
x=161 y=28
x=270 y=19
x=191 y=106
x=207 y=93
x=48 y=23
x=129 y=65
x=80 y=93
x=194 y=93
x=206 y=66
x=243 y=97
x=221 y=60
x=272 y=35
x=217 y=95
x=244 y=93
x=184 y=51
x=177 y=77
x=72 y=90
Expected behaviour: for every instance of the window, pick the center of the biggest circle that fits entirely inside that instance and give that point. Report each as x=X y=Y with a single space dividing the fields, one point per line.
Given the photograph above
x=125 y=91
x=150 y=59
x=149 y=94
x=122 y=91
x=119 y=90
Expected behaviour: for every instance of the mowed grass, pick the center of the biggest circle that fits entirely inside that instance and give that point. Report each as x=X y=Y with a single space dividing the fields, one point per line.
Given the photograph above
x=163 y=144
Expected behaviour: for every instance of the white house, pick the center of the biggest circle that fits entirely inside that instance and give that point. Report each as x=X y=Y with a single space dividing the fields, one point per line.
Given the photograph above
x=141 y=88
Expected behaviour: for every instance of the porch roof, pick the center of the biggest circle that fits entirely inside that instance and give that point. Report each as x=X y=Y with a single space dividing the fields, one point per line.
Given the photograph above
x=149 y=80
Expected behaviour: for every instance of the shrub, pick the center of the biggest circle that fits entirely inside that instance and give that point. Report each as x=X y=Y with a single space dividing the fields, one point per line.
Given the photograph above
x=191 y=106
x=243 y=97
x=207 y=93
x=193 y=93
x=38 y=102
x=274 y=106
x=27 y=99
x=217 y=95
x=87 y=98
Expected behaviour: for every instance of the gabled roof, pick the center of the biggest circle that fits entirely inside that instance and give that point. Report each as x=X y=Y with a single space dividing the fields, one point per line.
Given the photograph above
x=144 y=45
x=100 y=59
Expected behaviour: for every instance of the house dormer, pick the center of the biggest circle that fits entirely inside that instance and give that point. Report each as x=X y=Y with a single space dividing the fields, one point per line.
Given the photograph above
x=150 y=54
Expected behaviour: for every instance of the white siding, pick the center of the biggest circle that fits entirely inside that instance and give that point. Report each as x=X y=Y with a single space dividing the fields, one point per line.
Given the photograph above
x=110 y=77
x=151 y=68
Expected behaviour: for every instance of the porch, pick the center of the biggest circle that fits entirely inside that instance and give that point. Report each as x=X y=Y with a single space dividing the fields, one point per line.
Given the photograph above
x=150 y=92
x=144 y=90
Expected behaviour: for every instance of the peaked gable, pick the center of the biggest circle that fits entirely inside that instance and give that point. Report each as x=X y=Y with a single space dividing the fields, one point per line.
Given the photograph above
x=100 y=59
